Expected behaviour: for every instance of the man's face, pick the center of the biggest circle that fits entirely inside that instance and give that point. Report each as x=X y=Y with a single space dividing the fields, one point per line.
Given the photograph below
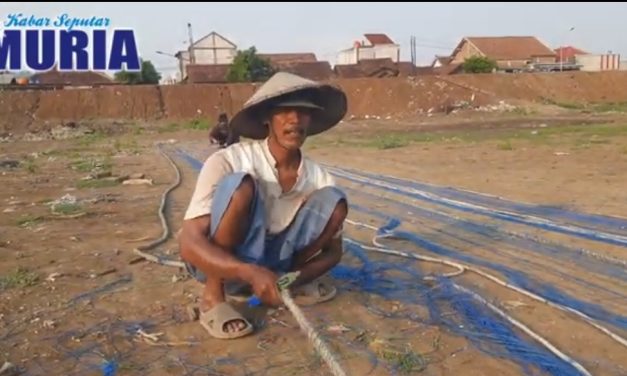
x=289 y=126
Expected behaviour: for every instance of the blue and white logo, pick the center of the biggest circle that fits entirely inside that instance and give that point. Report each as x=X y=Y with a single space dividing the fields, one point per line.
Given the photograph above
x=67 y=43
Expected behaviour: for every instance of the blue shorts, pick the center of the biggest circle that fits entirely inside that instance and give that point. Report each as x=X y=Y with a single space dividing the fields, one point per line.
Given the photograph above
x=275 y=251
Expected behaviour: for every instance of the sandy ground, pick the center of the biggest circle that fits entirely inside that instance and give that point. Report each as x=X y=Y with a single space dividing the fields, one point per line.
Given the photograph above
x=85 y=318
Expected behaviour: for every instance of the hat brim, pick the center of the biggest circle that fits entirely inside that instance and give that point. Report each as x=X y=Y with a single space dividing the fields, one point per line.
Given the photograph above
x=329 y=101
x=297 y=104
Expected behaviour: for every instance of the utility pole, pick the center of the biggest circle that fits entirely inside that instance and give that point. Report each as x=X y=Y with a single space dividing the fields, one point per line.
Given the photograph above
x=562 y=53
x=413 y=54
x=192 y=58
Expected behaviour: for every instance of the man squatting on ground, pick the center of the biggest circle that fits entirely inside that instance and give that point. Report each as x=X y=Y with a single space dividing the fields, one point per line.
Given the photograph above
x=222 y=133
x=261 y=208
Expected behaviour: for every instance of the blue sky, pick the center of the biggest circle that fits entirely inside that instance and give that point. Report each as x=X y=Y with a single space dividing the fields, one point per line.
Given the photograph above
x=326 y=28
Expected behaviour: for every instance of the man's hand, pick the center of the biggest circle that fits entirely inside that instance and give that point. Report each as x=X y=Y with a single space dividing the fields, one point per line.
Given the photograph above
x=264 y=284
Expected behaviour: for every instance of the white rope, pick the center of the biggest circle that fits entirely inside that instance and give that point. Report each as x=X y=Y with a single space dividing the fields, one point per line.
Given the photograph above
x=381 y=249
x=314 y=337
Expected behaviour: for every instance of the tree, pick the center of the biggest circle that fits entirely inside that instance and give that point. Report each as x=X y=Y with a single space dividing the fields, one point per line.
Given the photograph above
x=479 y=64
x=147 y=75
x=247 y=66
x=129 y=78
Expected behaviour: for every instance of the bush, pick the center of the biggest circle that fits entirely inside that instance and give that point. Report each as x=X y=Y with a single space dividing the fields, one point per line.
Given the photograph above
x=148 y=75
x=247 y=66
x=479 y=64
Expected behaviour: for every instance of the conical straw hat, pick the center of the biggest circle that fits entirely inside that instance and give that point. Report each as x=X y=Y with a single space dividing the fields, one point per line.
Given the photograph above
x=331 y=102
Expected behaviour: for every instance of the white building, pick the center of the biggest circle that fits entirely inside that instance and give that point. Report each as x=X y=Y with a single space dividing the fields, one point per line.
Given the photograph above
x=599 y=62
x=376 y=46
x=212 y=49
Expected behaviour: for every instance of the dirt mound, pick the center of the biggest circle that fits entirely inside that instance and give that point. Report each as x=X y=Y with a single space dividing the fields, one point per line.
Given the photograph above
x=188 y=101
x=17 y=110
x=21 y=111
x=115 y=102
x=573 y=87
x=404 y=97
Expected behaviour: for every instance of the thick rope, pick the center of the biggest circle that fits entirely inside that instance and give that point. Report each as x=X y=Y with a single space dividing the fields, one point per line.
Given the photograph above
x=314 y=337
x=141 y=250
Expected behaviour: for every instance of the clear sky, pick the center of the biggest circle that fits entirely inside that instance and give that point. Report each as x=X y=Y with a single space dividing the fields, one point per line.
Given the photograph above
x=326 y=28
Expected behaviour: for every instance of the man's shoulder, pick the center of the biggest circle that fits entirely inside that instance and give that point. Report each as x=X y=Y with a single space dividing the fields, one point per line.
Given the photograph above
x=317 y=171
x=240 y=148
x=240 y=152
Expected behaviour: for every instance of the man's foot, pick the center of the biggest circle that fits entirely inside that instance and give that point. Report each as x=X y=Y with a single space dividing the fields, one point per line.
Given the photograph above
x=224 y=322
x=317 y=291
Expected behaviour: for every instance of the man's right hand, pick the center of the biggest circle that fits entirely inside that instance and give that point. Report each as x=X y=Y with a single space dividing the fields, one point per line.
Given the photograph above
x=264 y=284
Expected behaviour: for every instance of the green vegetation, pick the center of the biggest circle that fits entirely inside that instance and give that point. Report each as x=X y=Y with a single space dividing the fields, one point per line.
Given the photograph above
x=67 y=209
x=505 y=145
x=171 y=127
x=96 y=183
x=30 y=165
x=92 y=138
x=392 y=141
x=247 y=66
x=199 y=124
x=29 y=220
x=610 y=107
x=89 y=165
x=479 y=64
x=147 y=75
x=406 y=361
x=129 y=144
x=506 y=138
x=20 y=277
x=620 y=107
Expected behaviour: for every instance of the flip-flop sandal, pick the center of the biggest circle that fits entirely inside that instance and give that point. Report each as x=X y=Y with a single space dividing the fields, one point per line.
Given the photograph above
x=215 y=319
x=311 y=294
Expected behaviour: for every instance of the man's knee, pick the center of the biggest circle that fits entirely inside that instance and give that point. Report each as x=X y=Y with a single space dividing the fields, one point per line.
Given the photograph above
x=339 y=214
x=333 y=196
